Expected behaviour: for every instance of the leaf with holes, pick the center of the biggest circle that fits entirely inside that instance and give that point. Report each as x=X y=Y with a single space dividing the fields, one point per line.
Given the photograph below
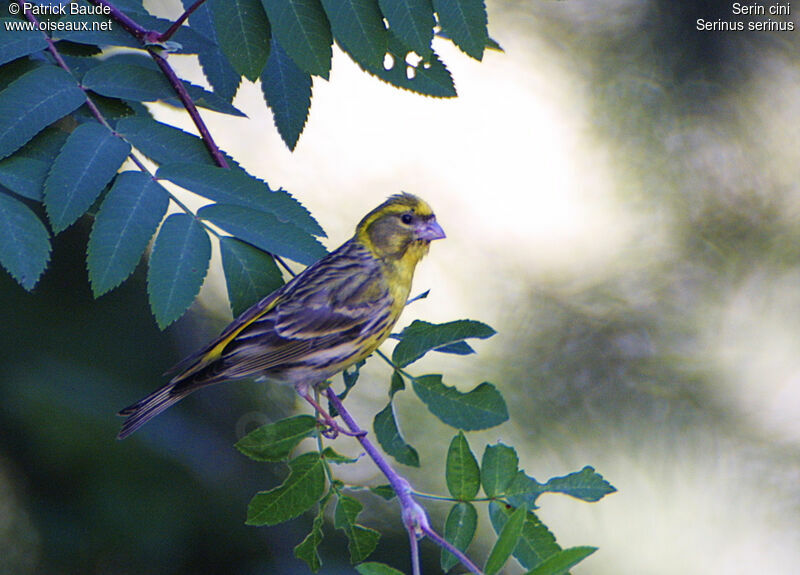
x=481 y=408
x=177 y=268
x=87 y=162
x=361 y=540
x=125 y=222
x=24 y=243
x=412 y=22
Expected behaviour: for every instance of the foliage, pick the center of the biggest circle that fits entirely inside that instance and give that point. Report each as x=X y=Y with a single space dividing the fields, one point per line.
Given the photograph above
x=73 y=135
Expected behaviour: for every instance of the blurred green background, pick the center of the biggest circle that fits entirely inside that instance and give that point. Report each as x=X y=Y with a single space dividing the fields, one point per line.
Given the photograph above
x=621 y=197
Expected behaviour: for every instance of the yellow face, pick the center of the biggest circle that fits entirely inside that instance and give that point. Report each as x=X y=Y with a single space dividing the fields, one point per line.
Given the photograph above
x=400 y=222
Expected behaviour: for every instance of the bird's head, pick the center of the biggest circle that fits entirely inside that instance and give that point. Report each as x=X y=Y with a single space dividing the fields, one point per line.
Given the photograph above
x=403 y=221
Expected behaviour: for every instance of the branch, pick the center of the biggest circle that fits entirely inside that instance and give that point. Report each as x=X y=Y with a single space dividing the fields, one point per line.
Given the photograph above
x=179 y=22
x=415 y=519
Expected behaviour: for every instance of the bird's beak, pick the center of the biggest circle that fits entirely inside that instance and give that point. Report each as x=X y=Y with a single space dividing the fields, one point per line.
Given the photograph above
x=430 y=230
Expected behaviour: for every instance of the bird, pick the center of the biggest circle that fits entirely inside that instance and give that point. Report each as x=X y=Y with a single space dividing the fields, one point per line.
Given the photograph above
x=333 y=314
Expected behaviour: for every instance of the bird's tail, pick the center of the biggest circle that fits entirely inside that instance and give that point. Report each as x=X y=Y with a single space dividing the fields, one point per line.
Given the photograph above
x=145 y=409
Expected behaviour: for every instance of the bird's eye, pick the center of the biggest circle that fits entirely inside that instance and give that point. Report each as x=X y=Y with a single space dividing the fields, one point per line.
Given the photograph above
x=406 y=218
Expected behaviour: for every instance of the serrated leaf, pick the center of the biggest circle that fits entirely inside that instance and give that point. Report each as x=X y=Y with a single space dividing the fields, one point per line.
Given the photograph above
x=465 y=23
x=24 y=176
x=301 y=490
x=177 y=267
x=374 y=568
x=498 y=468
x=87 y=162
x=392 y=442
x=358 y=27
x=129 y=79
x=563 y=561
x=243 y=33
x=536 y=542
x=216 y=67
x=162 y=143
x=302 y=29
x=412 y=22
x=429 y=77
x=585 y=484
x=250 y=274
x=125 y=223
x=459 y=529
x=265 y=231
x=276 y=441
x=421 y=337
x=32 y=102
x=506 y=542
x=72 y=30
x=45 y=145
x=361 y=540
x=307 y=549
x=462 y=472
x=287 y=91
x=240 y=188
x=24 y=243
x=19 y=42
x=481 y=408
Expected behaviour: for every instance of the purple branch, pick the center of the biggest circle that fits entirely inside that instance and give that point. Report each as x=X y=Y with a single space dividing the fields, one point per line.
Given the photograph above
x=415 y=518
x=179 y=22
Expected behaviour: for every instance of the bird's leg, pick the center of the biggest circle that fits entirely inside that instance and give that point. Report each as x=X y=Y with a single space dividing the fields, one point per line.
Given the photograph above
x=331 y=428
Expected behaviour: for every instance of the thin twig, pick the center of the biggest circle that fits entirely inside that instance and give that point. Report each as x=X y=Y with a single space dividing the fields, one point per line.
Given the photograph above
x=179 y=22
x=415 y=518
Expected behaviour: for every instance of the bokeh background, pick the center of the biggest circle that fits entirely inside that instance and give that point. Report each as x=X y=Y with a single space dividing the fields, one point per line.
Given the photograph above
x=621 y=197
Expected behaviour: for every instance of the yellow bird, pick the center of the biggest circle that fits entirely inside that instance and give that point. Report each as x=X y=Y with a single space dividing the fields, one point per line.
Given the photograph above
x=333 y=314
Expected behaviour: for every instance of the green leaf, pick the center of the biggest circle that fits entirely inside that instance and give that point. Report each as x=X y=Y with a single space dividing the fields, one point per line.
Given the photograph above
x=457 y=348
x=412 y=22
x=125 y=222
x=240 y=188
x=428 y=77
x=397 y=384
x=358 y=27
x=481 y=408
x=264 y=231
x=19 y=42
x=216 y=67
x=302 y=28
x=498 y=468
x=465 y=23
x=162 y=143
x=506 y=542
x=250 y=273
x=462 y=472
x=34 y=101
x=24 y=243
x=420 y=337
x=384 y=491
x=392 y=442
x=87 y=162
x=330 y=454
x=24 y=176
x=301 y=490
x=275 y=441
x=243 y=33
x=585 y=484
x=523 y=490
x=536 y=543
x=133 y=79
x=287 y=91
x=374 y=568
x=361 y=540
x=113 y=36
x=177 y=268
x=307 y=549
x=563 y=561
x=459 y=529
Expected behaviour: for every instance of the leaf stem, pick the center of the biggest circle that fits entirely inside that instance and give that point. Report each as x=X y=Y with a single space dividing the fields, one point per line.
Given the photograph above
x=179 y=22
